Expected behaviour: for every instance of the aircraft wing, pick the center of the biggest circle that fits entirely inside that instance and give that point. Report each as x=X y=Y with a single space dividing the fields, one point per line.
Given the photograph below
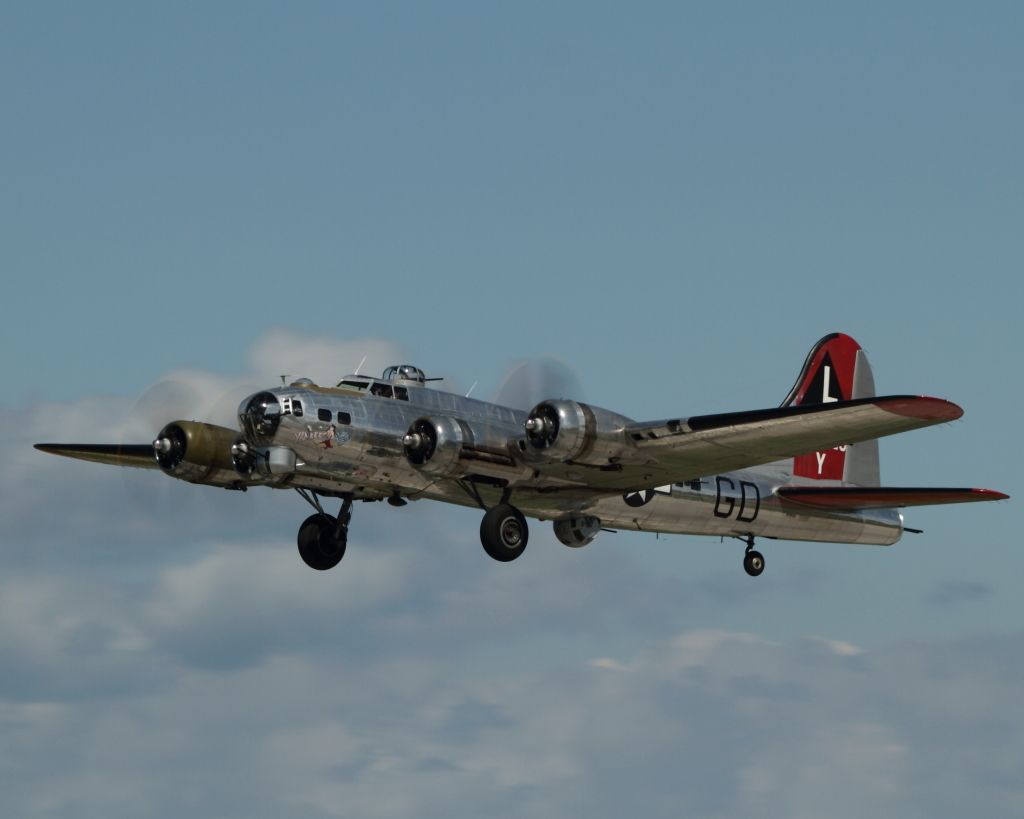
x=683 y=449
x=137 y=455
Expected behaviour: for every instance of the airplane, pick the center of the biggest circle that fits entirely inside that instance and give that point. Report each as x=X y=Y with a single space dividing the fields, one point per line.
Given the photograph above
x=805 y=470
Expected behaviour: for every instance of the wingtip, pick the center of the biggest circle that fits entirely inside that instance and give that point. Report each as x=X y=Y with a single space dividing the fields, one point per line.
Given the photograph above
x=140 y=455
x=59 y=449
x=924 y=407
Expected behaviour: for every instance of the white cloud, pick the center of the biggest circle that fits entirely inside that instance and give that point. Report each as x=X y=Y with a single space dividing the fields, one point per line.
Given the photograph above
x=366 y=719
x=694 y=648
x=326 y=360
x=608 y=664
x=842 y=648
x=237 y=603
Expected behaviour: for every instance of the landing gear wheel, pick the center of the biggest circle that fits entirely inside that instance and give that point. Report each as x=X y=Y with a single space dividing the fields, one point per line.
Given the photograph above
x=503 y=532
x=321 y=544
x=753 y=562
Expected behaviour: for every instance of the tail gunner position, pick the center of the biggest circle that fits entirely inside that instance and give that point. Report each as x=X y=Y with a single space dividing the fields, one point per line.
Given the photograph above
x=805 y=470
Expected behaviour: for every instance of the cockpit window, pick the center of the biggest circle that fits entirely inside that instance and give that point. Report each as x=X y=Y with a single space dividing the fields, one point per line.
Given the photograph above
x=291 y=406
x=383 y=390
x=401 y=393
x=358 y=385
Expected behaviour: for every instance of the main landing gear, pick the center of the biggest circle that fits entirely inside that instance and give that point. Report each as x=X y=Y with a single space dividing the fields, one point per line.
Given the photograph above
x=753 y=560
x=322 y=538
x=503 y=532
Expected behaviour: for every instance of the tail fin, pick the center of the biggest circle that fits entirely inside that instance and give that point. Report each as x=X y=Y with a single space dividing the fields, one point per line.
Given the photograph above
x=836 y=369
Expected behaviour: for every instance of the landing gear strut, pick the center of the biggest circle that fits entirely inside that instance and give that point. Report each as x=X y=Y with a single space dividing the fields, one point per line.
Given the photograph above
x=753 y=560
x=503 y=532
x=322 y=538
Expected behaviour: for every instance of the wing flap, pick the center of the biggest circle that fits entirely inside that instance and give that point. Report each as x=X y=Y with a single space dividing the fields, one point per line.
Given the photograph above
x=881 y=497
x=135 y=455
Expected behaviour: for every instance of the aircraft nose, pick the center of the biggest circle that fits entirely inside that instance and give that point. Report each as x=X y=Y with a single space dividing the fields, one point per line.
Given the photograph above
x=260 y=415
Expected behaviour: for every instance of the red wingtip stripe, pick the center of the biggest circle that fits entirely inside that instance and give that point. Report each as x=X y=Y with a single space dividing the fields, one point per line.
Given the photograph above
x=922 y=406
x=990 y=494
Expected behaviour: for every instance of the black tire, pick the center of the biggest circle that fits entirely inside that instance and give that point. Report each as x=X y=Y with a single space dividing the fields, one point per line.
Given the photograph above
x=753 y=563
x=504 y=533
x=318 y=546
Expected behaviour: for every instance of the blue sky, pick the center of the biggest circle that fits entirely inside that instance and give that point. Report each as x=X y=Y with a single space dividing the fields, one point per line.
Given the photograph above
x=676 y=201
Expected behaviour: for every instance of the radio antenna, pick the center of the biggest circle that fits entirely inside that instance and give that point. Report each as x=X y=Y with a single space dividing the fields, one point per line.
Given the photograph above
x=361 y=363
x=472 y=388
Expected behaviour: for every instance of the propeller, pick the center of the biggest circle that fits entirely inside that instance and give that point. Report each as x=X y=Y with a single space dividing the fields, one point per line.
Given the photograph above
x=164 y=401
x=193 y=396
x=169 y=446
x=542 y=426
x=420 y=442
x=533 y=380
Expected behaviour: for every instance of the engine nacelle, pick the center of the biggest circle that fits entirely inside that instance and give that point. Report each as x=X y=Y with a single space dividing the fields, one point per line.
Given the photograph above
x=262 y=464
x=577 y=531
x=433 y=446
x=574 y=432
x=196 y=452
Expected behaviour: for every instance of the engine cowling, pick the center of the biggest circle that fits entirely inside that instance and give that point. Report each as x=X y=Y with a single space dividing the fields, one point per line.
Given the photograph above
x=196 y=452
x=571 y=431
x=434 y=445
x=577 y=531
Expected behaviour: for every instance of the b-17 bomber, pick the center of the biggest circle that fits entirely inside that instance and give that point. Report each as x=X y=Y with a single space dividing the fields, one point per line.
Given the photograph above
x=807 y=469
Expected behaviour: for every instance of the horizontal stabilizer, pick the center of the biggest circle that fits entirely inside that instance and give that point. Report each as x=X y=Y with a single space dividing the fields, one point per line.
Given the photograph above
x=880 y=497
x=138 y=455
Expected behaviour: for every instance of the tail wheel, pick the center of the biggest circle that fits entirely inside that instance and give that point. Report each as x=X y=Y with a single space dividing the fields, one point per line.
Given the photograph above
x=753 y=562
x=321 y=545
x=503 y=532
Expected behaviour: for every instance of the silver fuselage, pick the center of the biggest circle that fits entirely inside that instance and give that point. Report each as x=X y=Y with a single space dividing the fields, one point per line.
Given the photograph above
x=365 y=458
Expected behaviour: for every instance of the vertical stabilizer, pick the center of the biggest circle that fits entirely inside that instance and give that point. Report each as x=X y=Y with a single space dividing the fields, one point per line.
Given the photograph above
x=836 y=369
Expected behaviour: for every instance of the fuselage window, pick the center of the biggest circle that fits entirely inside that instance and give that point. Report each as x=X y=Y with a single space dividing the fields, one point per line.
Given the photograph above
x=383 y=390
x=344 y=418
x=323 y=414
x=401 y=393
x=296 y=408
